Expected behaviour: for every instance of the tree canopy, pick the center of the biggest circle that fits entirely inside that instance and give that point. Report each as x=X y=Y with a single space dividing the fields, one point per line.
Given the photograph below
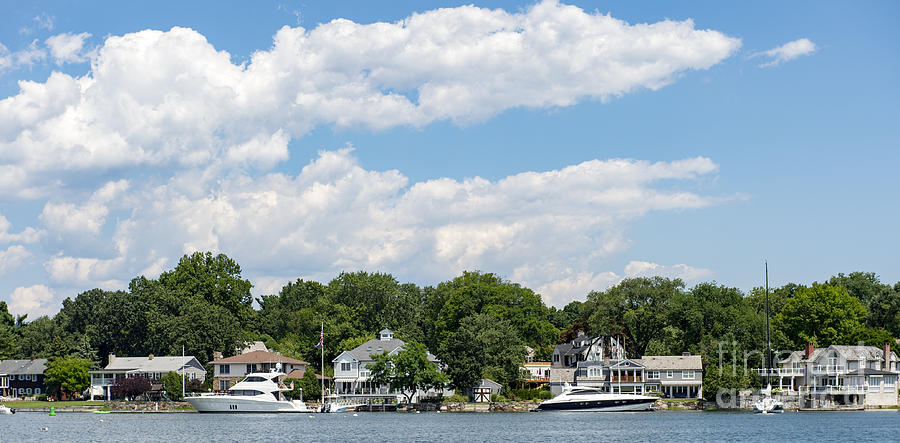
x=477 y=322
x=407 y=370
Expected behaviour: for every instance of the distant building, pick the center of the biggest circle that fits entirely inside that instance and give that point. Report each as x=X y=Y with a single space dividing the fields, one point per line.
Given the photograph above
x=22 y=378
x=152 y=367
x=230 y=370
x=352 y=378
x=839 y=376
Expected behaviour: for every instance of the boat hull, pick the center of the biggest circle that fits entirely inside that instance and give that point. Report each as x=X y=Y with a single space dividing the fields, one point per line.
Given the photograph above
x=233 y=404
x=610 y=405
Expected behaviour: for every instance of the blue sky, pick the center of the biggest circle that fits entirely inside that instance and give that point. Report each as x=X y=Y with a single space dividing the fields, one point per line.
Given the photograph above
x=561 y=145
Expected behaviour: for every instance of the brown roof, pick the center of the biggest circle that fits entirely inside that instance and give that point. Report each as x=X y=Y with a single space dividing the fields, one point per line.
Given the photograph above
x=298 y=374
x=260 y=357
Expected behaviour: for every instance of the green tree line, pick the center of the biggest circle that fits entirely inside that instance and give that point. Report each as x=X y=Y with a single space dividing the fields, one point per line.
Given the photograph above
x=478 y=324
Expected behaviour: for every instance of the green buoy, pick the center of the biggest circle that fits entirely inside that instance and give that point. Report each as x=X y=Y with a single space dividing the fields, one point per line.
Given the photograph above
x=52 y=411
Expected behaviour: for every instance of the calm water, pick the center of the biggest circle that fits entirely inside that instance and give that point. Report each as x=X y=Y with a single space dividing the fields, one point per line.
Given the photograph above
x=881 y=426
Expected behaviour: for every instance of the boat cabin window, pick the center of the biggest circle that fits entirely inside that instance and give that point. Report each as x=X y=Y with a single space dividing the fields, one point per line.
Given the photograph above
x=254 y=378
x=246 y=392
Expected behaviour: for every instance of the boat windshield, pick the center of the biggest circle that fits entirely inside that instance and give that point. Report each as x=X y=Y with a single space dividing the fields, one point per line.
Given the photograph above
x=254 y=378
x=246 y=392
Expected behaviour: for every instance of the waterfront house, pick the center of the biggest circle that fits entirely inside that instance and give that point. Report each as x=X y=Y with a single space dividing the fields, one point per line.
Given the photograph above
x=582 y=353
x=839 y=375
x=352 y=378
x=674 y=376
x=230 y=370
x=22 y=378
x=152 y=367
x=538 y=372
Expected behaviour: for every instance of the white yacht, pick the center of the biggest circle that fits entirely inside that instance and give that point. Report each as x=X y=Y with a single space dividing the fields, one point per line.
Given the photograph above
x=258 y=392
x=583 y=398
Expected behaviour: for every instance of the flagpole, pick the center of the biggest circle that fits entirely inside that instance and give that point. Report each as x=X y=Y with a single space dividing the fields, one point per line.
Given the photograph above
x=182 y=372
x=322 y=342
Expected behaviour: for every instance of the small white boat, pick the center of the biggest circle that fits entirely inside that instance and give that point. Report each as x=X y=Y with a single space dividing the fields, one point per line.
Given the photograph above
x=258 y=392
x=4 y=410
x=336 y=405
x=767 y=404
x=583 y=398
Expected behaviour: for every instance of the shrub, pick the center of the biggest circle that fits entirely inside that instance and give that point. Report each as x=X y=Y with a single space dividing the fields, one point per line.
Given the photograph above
x=457 y=398
x=130 y=387
x=498 y=398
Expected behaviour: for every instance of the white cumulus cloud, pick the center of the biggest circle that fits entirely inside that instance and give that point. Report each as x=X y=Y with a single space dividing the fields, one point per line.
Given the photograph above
x=649 y=269
x=67 y=47
x=34 y=300
x=13 y=257
x=334 y=215
x=169 y=98
x=28 y=235
x=787 y=52
x=87 y=218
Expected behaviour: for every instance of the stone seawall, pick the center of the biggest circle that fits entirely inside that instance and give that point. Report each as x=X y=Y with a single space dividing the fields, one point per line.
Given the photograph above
x=489 y=407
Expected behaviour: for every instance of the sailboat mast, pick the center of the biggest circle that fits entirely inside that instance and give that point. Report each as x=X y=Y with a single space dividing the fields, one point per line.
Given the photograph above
x=768 y=340
x=322 y=341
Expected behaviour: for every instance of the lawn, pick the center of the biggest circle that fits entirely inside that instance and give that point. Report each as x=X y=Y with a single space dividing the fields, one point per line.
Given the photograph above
x=47 y=404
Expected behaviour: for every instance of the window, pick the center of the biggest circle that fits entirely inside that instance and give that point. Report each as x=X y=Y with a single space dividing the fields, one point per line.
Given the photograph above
x=28 y=391
x=223 y=385
x=889 y=381
x=345 y=366
x=687 y=375
x=555 y=357
x=873 y=382
x=595 y=372
x=37 y=390
x=654 y=375
x=250 y=368
x=224 y=369
x=670 y=374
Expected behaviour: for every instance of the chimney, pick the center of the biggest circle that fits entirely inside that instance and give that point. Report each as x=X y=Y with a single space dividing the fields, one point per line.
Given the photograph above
x=887 y=357
x=686 y=354
x=809 y=351
x=112 y=357
x=217 y=355
x=150 y=357
x=32 y=358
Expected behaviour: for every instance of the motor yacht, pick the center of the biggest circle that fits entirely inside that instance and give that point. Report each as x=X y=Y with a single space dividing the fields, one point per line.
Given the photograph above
x=584 y=398
x=258 y=392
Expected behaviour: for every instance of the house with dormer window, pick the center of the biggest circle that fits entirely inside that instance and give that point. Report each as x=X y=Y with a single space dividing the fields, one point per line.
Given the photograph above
x=839 y=375
x=352 y=378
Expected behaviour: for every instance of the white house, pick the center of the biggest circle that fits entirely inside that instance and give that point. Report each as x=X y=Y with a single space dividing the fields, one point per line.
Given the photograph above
x=151 y=367
x=352 y=378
